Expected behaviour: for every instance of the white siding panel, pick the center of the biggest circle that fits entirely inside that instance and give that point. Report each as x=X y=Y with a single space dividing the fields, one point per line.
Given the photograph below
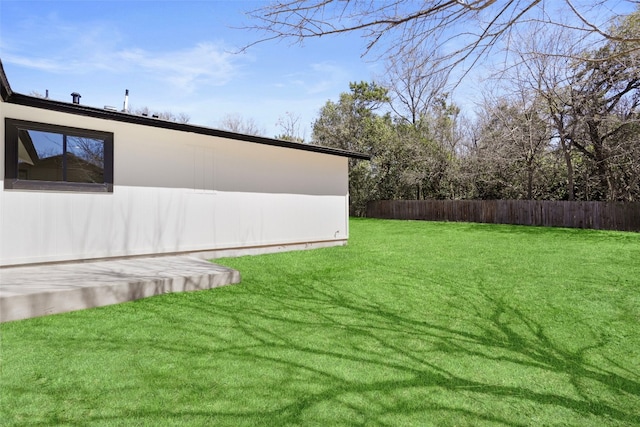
x=141 y=220
x=3 y=211
x=176 y=192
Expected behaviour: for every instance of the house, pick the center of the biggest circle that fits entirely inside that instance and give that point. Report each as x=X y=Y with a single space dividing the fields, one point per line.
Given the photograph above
x=82 y=183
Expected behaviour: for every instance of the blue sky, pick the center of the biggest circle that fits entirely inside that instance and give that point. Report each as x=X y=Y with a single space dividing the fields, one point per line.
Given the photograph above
x=174 y=55
x=180 y=56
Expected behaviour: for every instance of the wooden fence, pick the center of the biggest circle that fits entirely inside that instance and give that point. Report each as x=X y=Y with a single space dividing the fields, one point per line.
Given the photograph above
x=595 y=215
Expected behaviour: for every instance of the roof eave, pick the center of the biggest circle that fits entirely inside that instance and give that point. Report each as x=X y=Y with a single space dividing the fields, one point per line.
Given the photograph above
x=83 y=110
x=5 y=88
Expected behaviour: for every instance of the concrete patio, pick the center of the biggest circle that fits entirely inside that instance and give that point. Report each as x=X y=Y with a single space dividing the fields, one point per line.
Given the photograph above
x=32 y=291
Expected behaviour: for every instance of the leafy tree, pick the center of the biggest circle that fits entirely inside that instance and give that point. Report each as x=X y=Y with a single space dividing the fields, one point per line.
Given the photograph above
x=353 y=124
x=564 y=125
x=344 y=124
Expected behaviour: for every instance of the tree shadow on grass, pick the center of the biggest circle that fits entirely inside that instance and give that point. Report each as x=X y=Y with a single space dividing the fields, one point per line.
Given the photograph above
x=506 y=335
x=316 y=354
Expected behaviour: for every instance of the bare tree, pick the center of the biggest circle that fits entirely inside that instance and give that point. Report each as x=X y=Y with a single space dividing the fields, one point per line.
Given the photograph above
x=164 y=115
x=37 y=94
x=605 y=104
x=238 y=124
x=290 y=127
x=542 y=66
x=413 y=86
x=513 y=142
x=403 y=27
x=591 y=105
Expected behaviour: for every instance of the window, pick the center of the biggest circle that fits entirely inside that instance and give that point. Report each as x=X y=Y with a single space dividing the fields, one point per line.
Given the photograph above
x=47 y=157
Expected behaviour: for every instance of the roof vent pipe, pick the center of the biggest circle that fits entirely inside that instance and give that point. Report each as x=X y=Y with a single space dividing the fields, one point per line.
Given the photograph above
x=125 y=106
x=76 y=97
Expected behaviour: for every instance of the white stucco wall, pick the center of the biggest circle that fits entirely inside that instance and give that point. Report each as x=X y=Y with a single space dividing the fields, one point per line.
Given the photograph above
x=175 y=192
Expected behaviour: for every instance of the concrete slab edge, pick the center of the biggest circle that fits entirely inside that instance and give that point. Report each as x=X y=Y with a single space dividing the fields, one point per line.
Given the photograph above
x=19 y=307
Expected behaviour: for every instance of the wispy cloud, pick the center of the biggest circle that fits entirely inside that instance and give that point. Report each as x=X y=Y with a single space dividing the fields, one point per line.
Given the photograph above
x=322 y=77
x=102 y=49
x=333 y=74
x=47 y=65
x=204 y=63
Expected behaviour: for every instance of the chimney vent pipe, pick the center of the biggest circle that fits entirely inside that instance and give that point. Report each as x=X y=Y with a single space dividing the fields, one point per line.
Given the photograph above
x=125 y=106
x=76 y=97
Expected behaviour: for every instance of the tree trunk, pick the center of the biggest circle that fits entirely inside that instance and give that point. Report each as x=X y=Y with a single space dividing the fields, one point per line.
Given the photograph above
x=569 y=162
x=602 y=165
x=530 y=181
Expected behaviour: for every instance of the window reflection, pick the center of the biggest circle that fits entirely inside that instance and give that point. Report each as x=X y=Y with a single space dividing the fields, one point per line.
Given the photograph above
x=48 y=156
x=85 y=159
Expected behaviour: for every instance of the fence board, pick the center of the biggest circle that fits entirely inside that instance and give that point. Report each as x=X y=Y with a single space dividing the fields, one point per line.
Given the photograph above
x=596 y=215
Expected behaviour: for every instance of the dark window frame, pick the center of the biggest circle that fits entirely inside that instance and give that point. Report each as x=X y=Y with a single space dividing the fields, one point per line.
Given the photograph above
x=12 y=181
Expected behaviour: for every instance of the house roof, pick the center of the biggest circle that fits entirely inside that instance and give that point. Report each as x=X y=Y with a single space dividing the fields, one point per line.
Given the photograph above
x=5 y=89
x=66 y=107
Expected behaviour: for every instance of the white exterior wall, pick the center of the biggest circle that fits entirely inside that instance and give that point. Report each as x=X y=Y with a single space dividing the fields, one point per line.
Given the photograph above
x=176 y=192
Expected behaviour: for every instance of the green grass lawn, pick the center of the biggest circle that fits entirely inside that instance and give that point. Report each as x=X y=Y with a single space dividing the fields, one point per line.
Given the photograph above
x=412 y=323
